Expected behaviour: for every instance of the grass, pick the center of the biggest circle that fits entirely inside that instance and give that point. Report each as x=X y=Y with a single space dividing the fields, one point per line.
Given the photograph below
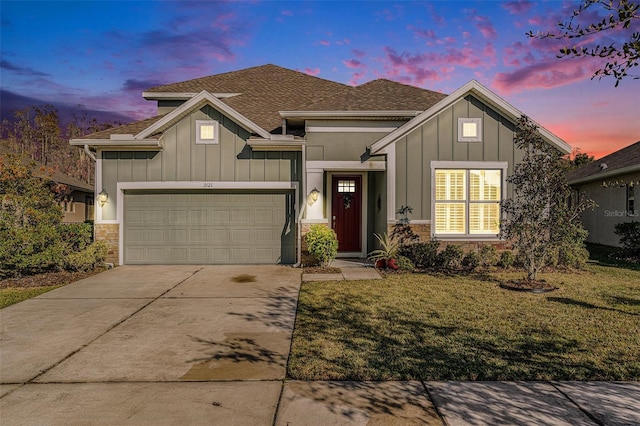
x=9 y=296
x=467 y=328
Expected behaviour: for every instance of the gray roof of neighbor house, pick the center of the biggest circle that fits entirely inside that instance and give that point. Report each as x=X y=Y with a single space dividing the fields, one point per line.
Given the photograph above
x=622 y=161
x=261 y=92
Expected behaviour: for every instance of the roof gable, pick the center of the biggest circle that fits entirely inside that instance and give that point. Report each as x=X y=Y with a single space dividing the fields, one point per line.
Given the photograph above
x=483 y=94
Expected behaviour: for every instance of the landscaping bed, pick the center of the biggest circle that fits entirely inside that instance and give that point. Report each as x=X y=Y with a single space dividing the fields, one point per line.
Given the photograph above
x=419 y=326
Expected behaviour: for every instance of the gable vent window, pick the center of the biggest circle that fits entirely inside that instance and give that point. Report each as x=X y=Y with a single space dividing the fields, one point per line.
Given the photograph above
x=469 y=130
x=206 y=132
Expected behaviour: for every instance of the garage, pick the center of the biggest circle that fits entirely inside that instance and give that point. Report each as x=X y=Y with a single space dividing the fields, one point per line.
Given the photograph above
x=208 y=227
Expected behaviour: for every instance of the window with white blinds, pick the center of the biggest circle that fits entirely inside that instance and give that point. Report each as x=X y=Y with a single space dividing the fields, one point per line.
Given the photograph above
x=467 y=202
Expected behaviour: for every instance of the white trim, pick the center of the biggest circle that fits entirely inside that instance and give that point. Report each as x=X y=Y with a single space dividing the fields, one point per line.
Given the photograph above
x=483 y=94
x=344 y=165
x=347 y=114
x=412 y=222
x=465 y=139
x=123 y=186
x=315 y=221
x=606 y=174
x=179 y=96
x=198 y=101
x=466 y=165
x=215 y=140
x=390 y=152
x=349 y=129
x=145 y=144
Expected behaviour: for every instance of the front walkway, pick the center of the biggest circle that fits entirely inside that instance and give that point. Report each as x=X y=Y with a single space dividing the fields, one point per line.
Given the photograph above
x=351 y=269
x=181 y=345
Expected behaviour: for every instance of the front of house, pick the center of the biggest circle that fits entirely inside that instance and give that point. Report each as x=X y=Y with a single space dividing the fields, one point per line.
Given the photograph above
x=237 y=166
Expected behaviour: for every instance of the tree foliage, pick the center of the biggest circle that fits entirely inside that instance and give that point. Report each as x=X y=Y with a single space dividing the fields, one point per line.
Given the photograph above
x=540 y=222
x=621 y=57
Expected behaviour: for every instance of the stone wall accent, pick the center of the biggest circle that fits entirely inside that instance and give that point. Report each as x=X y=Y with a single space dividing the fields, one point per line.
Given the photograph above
x=109 y=232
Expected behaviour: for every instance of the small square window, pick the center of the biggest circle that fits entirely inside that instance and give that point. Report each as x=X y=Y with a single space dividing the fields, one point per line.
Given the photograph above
x=206 y=132
x=347 y=186
x=469 y=130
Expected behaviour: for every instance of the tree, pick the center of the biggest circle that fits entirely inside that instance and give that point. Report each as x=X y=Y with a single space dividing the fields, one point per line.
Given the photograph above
x=540 y=222
x=579 y=159
x=621 y=58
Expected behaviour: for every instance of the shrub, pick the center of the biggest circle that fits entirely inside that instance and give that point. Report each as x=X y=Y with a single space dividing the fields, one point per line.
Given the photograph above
x=471 y=261
x=629 y=233
x=87 y=259
x=402 y=231
x=423 y=255
x=322 y=244
x=405 y=264
x=507 y=259
x=77 y=236
x=388 y=248
x=488 y=256
x=451 y=257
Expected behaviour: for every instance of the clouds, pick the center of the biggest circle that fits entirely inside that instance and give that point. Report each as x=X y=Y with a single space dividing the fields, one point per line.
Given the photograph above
x=24 y=71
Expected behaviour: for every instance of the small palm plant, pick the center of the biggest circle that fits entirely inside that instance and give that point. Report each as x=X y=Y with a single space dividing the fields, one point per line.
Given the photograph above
x=387 y=254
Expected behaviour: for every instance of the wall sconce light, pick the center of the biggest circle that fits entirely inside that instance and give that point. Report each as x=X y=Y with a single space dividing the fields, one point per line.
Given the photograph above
x=314 y=195
x=103 y=197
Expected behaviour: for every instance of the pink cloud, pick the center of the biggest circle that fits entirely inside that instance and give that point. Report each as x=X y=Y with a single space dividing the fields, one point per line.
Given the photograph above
x=312 y=71
x=485 y=26
x=287 y=13
x=361 y=70
x=418 y=32
x=353 y=63
x=544 y=75
x=359 y=53
x=325 y=43
x=517 y=7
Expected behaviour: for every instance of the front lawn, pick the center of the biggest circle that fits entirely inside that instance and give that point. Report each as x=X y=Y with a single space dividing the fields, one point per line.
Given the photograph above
x=467 y=328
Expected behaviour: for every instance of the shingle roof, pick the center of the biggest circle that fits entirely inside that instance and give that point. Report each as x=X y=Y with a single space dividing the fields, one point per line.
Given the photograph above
x=127 y=129
x=626 y=157
x=264 y=91
x=379 y=95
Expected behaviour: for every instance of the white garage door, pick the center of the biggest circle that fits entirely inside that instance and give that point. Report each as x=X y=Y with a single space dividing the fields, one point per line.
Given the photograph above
x=208 y=228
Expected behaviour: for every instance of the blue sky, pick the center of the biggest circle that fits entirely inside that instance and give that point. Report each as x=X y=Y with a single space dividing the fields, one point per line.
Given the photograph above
x=103 y=54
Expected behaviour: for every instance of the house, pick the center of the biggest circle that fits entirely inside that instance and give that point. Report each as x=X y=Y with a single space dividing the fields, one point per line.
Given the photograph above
x=74 y=196
x=236 y=167
x=612 y=182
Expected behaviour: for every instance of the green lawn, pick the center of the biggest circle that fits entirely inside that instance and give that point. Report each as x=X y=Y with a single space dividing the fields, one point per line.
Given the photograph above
x=9 y=296
x=467 y=328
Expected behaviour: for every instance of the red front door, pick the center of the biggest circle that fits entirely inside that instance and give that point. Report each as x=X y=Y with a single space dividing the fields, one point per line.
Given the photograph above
x=346 y=211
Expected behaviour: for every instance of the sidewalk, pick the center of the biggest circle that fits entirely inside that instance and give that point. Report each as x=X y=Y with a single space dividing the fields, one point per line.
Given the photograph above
x=351 y=269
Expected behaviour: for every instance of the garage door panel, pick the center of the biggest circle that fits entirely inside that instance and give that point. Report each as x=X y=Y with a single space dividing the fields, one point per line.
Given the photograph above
x=207 y=228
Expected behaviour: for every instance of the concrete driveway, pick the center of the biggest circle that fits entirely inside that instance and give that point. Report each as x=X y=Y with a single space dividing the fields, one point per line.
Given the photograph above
x=151 y=345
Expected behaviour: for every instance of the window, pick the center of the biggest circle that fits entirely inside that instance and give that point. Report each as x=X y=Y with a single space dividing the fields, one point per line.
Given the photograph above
x=469 y=130
x=206 y=132
x=631 y=205
x=346 y=186
x=467 y=202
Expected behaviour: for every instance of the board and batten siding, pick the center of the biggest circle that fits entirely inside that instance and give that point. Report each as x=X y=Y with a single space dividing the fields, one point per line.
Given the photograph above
x=437 y=140
x=325 y=141
x=181 y=159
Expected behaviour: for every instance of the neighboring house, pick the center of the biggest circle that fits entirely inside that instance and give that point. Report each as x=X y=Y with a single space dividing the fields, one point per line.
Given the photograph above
x=75 y=196
x=237 y=166
x=613 y=183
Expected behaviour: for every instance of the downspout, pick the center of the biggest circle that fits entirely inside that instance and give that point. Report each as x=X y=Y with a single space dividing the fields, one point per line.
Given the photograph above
x=303 y=207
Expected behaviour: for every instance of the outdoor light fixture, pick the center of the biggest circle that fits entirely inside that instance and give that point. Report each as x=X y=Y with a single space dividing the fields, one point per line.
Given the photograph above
x=314 y=194
x=103 y=197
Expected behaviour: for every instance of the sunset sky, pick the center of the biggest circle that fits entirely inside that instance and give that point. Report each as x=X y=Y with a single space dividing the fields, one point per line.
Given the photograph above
x=103 y=54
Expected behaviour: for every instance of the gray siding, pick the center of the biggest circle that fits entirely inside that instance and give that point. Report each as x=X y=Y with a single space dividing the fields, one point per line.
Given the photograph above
x=610 y=210
x=437 y=140
x=377 y=209
x=182 y=160
x=347 y=146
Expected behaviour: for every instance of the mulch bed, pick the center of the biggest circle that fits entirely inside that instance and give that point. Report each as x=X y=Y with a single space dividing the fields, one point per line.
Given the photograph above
x=539 y=286
x=47 y=279
x=321 y=270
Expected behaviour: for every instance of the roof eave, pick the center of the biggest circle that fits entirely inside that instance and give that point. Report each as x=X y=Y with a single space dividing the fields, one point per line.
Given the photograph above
x=606 y=174
x=347 y=114
x=181 y=96
x=118 y=143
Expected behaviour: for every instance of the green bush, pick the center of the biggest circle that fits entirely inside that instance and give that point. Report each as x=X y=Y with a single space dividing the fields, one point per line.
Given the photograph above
x=77 y=236
x=322 y=244
x=87 y=259
x=629 y=233
x=488 y=256
x=405 y=264
x=471 y=261
x=507 y=259
x=451 y=257
x=422 y=255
